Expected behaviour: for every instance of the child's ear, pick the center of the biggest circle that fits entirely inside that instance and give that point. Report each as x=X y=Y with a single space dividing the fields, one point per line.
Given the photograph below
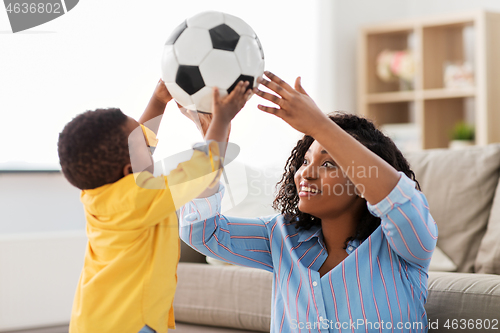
x=127 y=169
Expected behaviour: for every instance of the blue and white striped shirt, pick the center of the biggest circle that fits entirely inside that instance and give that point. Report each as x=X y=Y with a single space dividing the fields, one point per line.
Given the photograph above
x=380 y=287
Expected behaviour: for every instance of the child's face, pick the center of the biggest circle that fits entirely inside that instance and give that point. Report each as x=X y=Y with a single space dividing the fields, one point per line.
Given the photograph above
x=140 y=154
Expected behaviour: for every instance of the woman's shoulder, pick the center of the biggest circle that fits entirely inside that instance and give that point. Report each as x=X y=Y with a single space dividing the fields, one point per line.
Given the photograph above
x=285 y=226
x=279 y=223
x=272 y=219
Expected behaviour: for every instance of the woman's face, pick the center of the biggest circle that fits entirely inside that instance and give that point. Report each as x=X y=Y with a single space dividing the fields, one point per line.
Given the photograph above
x=324 y=191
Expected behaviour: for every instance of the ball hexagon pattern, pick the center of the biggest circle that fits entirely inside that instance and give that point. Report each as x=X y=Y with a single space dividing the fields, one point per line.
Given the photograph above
x=210 y=49
x=192 y=54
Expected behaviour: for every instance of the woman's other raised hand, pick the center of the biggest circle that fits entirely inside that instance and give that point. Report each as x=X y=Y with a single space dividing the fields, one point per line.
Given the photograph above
x=295 y=106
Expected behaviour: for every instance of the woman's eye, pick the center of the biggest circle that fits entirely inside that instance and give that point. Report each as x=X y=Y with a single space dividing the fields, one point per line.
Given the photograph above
x=305 y=162
x=329 y=164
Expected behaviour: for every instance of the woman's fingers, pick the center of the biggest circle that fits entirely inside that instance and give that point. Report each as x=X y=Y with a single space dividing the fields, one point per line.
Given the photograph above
x=298 y=86
x=268 y=109
x=278 y=81
x=270 y=97
x=274 y=87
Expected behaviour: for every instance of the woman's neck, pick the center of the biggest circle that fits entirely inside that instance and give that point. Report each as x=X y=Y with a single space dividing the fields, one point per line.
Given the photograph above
x=337 y=229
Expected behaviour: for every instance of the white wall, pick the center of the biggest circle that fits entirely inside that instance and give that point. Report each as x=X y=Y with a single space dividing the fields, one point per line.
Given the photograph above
x=38 y=277
x=42 y=244
x=38 y=202
x=107 y=54
x=347 y=16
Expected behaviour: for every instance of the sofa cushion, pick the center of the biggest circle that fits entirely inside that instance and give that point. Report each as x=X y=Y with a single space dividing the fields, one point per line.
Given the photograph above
x=488 y=256
x=188 y=254
x=237 y=297
x=225 y=296
x=459 y=186
x=459 y=297
x=441 y=262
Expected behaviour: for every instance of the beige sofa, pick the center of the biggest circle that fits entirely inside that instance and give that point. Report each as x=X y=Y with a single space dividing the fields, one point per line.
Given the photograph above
x=461 y=188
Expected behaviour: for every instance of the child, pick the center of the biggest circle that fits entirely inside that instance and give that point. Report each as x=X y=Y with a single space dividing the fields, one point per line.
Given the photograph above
x=129 y=275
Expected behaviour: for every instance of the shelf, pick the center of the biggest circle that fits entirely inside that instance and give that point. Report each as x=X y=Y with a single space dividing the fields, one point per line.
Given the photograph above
x=435 y=42
x=375 y=44
x=397 y=96
x=448 y=93
x=409 y=96
x=390 y=113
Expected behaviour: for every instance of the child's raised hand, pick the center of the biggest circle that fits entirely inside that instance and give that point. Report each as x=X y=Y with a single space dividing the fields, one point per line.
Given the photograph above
x=226 y=108
x=294 y=105
x=156 y=106
x=161 y=93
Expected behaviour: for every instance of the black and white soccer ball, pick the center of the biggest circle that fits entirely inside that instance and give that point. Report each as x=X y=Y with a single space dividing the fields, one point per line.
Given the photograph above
x=211 y=49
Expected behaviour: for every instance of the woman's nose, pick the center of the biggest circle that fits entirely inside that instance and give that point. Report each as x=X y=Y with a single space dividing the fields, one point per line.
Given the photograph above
x=310 y=172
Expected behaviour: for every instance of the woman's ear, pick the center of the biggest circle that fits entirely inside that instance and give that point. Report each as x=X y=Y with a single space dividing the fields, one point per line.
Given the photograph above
x=127 y=169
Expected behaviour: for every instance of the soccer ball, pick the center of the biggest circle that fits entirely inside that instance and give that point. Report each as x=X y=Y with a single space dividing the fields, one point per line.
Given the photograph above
x=211 y=49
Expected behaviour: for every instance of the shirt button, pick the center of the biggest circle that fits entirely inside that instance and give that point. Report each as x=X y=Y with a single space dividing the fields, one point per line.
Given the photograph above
x=315 y=283
x=320 y=318
x=350 y=248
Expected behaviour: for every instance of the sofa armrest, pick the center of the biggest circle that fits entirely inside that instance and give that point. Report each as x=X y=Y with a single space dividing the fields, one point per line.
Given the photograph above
x=224 y=296
x=457 y=296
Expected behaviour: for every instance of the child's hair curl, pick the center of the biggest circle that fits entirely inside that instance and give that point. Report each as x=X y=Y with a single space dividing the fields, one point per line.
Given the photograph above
x=365 y=132
x=93 y=148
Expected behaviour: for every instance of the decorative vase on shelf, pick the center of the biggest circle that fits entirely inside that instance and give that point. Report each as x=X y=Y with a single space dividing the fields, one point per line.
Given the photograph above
x=460 y=144
x=458 y=75
x=394 y=66
x=405 y=85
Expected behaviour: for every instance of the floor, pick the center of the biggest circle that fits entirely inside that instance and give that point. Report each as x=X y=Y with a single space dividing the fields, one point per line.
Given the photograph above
x=58 y=329
x=180 y=328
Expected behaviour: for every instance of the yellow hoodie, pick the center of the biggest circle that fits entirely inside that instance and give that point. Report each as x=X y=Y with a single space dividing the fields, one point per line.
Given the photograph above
x=129 y=274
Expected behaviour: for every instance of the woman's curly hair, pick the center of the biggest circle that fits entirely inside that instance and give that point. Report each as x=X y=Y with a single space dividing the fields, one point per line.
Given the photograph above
x=365 y=132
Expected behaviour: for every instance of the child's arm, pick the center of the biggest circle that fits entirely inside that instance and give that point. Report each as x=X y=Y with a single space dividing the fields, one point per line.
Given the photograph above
x=151 y=116
x=204 y=122
x=224 y=110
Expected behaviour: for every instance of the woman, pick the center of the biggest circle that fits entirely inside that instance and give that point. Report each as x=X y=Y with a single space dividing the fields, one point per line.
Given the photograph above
x=351 y=248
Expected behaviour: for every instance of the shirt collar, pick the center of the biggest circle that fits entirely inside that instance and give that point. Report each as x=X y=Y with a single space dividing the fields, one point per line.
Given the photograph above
x=306 y=235
x=352 y=245
x=315 y=231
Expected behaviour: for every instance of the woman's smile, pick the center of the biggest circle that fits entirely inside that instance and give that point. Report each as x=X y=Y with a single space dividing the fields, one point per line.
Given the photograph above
x=308 y=190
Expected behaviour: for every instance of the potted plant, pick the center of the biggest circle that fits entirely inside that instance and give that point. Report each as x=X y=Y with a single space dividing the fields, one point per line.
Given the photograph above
x=462 y=135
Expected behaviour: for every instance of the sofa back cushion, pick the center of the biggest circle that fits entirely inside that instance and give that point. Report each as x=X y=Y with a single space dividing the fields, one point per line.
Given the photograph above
x=459 y=186
x=224 y=296
x=488 y=256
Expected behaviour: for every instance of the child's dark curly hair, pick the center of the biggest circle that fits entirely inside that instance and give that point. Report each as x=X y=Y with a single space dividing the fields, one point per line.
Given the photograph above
x=365 y=132
x=93 y=148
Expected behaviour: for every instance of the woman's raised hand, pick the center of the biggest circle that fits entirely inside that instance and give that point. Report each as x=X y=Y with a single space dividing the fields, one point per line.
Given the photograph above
x=201 y=120
x=294 y=105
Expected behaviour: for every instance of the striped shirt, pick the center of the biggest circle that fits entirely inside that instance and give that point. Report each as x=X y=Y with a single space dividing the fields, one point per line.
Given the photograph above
x=380 y=287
